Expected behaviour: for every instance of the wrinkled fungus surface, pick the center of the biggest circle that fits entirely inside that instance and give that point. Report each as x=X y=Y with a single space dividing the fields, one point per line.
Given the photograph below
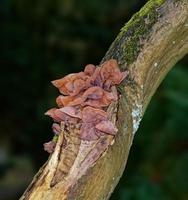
x=84 y=99
x=49 y=146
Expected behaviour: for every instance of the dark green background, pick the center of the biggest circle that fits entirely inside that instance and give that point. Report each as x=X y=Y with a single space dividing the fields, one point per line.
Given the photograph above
x=44 y=40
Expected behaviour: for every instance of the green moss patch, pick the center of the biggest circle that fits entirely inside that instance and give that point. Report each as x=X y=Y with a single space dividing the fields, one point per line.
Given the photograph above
x=127 y=45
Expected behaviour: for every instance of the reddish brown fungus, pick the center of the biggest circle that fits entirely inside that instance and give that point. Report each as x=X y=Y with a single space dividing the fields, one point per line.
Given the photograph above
x=52 y=113
x=87 y=94
x=63 y=114
x=61 y=83
x=95 y=123
x=95 y=79
x=72 y=84
x=88 y=132
x=106 y=127
x=95 y=92
x=49 y=146
x=64 y=100
x=71 y=111
x=104 y=101
x=93 y=96
x=89 y=69
x=90 y=114
x=110 y=72
x=56 y=128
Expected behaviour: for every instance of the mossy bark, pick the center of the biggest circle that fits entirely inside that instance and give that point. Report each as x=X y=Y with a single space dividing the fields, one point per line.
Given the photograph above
x=148 y=46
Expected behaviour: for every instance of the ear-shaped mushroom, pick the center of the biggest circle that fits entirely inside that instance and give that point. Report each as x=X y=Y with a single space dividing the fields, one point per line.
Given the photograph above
x=56 y=128
x=95 y=124
x=89 y=69
x=110 y=72
x=49 y=146
x=61 y=83
x=95 y=79
x=106 y=127
x=72 y=84
x=93 y=96
x=93 y=115
x=53 y=114
x=64 y=100
x=88 y=132
x=90 y=117
x=71 y=111
x=98 y=97
x=66 y=114
x=103 y=101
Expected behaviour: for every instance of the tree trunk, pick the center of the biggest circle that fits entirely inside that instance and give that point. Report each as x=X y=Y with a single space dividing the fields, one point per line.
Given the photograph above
x=148 y=46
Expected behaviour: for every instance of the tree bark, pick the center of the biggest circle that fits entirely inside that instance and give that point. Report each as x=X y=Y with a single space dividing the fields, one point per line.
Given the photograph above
x=148 y=46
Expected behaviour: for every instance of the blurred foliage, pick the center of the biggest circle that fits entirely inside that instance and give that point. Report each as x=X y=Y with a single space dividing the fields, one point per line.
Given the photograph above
x=44 y=40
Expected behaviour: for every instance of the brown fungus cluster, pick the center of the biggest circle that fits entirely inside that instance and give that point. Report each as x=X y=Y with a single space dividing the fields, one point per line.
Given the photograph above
x=85 y=97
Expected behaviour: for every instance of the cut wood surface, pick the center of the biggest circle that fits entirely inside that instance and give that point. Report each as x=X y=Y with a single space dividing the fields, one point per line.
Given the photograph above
x=147 y=47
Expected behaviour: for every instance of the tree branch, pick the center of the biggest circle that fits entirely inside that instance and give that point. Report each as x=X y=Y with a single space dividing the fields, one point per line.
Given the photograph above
x=148 y=46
